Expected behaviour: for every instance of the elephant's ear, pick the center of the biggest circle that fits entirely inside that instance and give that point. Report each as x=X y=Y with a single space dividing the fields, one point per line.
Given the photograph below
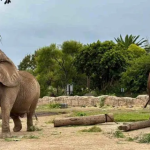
x=9 y=75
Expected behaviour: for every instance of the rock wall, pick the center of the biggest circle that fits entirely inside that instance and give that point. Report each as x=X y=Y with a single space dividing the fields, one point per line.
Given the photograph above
x=79 y=101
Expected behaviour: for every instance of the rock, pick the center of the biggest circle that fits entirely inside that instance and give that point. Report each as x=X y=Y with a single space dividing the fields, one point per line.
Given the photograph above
x=106 y=100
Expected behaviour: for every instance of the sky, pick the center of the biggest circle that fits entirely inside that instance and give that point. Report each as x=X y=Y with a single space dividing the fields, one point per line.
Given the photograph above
x=26 y=25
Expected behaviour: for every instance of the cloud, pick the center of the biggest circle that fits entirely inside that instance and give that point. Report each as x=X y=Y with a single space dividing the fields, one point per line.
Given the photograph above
x=28 y=25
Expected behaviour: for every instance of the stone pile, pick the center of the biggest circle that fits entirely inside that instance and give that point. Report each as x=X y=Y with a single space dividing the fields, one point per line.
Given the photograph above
x=106 y=100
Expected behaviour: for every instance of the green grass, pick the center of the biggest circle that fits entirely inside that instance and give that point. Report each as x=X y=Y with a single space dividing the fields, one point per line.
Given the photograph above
x=80 y=114
x=49 y=122
x=124 y=115
x=44 y=107
x=118 y=134
x=54 y=106
x=102 y=101
x=34 y=128
x=92 y=129
x=145 y=138
x=131 y=116
x=13 y=138
x=119 y=115
x=130 y=139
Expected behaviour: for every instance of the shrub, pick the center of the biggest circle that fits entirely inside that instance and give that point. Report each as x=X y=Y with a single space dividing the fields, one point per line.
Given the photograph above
x=118 y=134
x=102 y=101
x=145 y=138
x=54 y=105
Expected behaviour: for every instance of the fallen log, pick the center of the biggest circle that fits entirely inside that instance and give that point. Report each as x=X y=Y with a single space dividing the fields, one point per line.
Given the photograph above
x=135 y=125
x=85 y=120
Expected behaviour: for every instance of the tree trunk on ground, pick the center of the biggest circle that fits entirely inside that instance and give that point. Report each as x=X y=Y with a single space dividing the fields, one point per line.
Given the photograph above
x=88 y=120
x=135 y=125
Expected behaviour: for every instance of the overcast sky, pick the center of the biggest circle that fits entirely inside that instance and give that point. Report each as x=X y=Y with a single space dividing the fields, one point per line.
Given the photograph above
x=27 y=25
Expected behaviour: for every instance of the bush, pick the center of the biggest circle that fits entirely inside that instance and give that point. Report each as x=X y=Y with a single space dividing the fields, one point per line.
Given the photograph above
x=118 y=134
x=102 y=101
x=145 y=138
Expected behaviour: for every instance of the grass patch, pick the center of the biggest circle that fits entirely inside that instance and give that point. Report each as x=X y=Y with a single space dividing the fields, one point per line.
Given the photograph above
x=31 y=137
x=123 y=115
x=102 y=101
x=130 y=139
x=131 y=116
x=49 y=122
x=92 y=129
x=34 y=128
x=13 y=138
x=80 y=114
x=54 y=106
x=145 y=138
x=118 y=134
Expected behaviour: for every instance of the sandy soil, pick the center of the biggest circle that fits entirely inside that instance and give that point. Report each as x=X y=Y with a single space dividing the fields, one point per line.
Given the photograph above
x=69 y=138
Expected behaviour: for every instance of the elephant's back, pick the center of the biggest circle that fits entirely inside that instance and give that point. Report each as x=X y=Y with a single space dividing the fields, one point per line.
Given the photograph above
x=26 y=75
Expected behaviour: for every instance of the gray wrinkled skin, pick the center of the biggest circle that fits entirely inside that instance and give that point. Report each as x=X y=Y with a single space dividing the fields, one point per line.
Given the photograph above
x=19 y=94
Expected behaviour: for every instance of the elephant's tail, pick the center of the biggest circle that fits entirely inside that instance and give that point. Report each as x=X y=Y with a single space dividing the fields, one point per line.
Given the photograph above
x=36 y=116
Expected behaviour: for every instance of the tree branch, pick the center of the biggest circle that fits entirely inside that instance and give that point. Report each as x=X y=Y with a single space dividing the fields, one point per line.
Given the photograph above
x=7 y=1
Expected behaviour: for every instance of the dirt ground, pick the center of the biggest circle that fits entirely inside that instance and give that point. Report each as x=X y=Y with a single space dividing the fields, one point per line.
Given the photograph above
x=70 y=138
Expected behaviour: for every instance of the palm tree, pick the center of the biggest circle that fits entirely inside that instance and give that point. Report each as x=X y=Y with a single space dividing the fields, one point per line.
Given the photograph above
x=147 y=46
x=130 y=40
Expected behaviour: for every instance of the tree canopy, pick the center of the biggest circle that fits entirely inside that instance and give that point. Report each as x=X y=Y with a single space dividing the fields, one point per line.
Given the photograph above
x=106 y=66
x=130 y=39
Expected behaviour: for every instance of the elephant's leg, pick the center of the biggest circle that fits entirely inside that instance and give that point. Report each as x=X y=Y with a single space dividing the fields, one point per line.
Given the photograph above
x=7 y=101
x=5 y=123
x=17 y=123
x=30 y=114
x=29 y=121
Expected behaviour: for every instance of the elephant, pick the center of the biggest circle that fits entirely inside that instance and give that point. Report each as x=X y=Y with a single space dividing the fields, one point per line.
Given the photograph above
x=19 y=94
x=148 y=91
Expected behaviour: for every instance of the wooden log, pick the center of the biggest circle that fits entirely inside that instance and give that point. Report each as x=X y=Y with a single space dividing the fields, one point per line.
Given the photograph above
x=85 y=120
x=135 y=125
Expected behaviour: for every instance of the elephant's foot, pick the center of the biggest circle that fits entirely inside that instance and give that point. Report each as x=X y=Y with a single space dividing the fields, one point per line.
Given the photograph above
x=30 y=128
x=17 y=128
x=6 y=135
x=17 y=124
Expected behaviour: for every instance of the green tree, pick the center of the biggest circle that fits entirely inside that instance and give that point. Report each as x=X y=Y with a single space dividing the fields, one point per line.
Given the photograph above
x=46 y=67
x=135 y=77
x=147 y=46
x=130 y=39
x=71 y=47
x=69 y=50
x=88 y=60
x=28 y=63
x=55 y=66
x=112 y=64
x=136 y=51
